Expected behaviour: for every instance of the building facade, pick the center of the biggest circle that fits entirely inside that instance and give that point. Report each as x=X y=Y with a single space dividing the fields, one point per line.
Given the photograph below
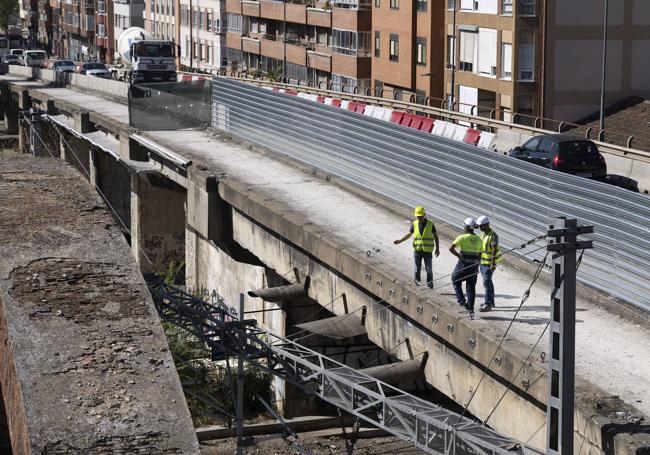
x=202 y=36
x=126 y=14
x=104 y=32
x=323 y=41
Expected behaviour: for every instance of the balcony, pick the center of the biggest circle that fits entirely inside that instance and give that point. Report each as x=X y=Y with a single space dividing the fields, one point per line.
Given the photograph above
x=250 y=45
x=233 y=40
x=250 y=8
x=319 y=61
x=319 y=17
x=297 y=53
x=350 y=19
x=272 y=10
x=272 y=46
x=351 y=66
x=296 y=13
x=234 y=6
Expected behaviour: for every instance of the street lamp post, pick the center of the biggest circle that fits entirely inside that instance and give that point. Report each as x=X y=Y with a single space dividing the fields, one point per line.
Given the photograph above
x=604 y=73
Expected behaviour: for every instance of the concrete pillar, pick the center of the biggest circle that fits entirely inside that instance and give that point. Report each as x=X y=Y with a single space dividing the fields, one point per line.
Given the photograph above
x=114 y=181
x=130 y=149
x=11 y=116
x=75 y=151
x=157 y=222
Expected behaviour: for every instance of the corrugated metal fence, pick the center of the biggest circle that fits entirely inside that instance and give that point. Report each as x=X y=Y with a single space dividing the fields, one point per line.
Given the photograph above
x=451 y=179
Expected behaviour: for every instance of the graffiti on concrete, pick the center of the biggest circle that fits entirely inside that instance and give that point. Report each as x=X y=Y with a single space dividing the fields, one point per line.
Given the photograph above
x=165 y=249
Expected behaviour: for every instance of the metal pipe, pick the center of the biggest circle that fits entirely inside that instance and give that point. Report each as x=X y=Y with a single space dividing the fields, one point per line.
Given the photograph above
x=279 y=293
x=604 y=74
x=452 y=100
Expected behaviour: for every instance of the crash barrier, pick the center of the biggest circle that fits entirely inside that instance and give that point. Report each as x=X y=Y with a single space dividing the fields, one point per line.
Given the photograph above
x=453 y=179
x=104 y=87
x=169 y=106
x=458 y=133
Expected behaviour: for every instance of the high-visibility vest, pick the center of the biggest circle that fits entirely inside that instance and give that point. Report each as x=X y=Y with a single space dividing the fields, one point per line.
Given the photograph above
x=486 y=250
x=470 y=246
x=423 y=241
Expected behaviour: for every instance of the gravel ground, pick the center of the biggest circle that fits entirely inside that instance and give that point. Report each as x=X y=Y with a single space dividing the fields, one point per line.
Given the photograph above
x=319 y=443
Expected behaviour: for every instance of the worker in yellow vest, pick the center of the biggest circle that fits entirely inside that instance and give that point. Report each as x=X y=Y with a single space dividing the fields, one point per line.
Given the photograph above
x=490 y=257
x=466 y=270
x=425 y=241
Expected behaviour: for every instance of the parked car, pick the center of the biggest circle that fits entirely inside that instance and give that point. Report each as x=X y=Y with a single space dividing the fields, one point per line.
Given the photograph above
x=18 y=53
x=63 y=66
x=97 y=69
x=34 y=58
x=11 y=59
x=565 y=153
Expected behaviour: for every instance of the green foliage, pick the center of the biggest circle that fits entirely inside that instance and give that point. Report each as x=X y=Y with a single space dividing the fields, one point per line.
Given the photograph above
x=175 y=270
x=212 y=378
x=275 y=74
x=8 y=8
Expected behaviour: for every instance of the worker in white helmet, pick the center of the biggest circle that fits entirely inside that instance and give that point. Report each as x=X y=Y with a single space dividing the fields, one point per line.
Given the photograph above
x=425 y=241
x=466 y=269
x=490 y=257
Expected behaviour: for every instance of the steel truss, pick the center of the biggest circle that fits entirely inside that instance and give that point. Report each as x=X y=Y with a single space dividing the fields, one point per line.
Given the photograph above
x=425 y=425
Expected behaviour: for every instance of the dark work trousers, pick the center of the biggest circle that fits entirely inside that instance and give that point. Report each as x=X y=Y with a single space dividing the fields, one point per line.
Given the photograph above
x=467 y=272
x=420 y=256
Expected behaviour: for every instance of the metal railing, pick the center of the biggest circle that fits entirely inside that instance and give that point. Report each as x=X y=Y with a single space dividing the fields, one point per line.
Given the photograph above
x=453 y=179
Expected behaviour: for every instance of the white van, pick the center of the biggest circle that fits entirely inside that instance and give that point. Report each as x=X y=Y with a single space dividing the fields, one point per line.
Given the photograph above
x=35 y=59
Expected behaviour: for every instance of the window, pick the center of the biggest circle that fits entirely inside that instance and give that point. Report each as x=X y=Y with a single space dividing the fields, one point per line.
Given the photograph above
x=234 y=22
x=487 y=52
x=527 y=55
x=468 y=48
x=322 y=36
x=393 y=52
x=377 y=4
x=506 y=7
x=377 y=44
x=506 y=61
x=421 y=51
x=209 y=22
x=101 y=7
x=527 y=7
x=422 y=6
x=394 y=4
x=451 y=51
x=351 y=43
x=451 y=4
x=479 y=6
x=101 y=30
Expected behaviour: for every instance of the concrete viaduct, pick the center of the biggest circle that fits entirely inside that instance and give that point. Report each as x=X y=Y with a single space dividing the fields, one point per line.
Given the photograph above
x=243 y=218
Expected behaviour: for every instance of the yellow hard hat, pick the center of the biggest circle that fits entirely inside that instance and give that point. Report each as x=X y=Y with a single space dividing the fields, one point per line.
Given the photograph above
x=419 y=211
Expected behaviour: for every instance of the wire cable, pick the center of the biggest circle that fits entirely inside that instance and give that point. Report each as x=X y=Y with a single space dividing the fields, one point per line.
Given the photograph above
x=87 y=172
x=523 y=364
x=524 y=298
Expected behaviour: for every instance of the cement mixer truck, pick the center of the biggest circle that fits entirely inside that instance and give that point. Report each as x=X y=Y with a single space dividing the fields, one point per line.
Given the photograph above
x=144 y=58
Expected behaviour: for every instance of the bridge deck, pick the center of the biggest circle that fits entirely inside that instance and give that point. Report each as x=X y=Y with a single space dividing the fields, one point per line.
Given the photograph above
x=611 y=348
x=86 y=368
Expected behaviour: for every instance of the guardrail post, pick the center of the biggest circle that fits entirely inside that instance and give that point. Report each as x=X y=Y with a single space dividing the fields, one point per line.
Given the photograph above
x=514 y=117
x=588 y=132
x=629 y=142
x=601 y=135
x=559 y=128
x=537 y=120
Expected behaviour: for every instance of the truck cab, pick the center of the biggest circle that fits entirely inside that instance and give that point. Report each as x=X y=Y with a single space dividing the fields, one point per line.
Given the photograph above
x=153 y=61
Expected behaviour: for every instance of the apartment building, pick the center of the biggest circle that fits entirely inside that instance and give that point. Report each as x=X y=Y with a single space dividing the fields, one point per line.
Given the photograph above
x=28 y=12
x=44 y=32
x=104 y=33
x=162 y=19
x=544 y=57
x=126 y=13
x=202 y=37
x=408 y=55
x=328 y=41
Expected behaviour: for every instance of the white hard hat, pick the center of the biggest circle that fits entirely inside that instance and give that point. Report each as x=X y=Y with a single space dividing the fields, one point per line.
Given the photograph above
x=482 y=220
x=471 y=222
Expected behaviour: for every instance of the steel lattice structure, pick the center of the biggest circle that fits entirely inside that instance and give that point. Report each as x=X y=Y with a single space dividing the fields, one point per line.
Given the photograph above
x=425 y=425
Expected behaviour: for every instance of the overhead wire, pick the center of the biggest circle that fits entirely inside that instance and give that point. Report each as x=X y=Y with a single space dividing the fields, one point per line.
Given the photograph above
x=532 y=350
x=87 y=172
x=524 y=298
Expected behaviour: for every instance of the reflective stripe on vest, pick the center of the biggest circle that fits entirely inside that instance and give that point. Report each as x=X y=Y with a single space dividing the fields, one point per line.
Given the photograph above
x=470 y=247
x=423 y=241
x=486 y=250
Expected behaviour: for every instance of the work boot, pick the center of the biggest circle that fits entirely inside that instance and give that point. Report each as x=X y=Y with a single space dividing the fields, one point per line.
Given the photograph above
x=485 y=308
x=463 y=304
